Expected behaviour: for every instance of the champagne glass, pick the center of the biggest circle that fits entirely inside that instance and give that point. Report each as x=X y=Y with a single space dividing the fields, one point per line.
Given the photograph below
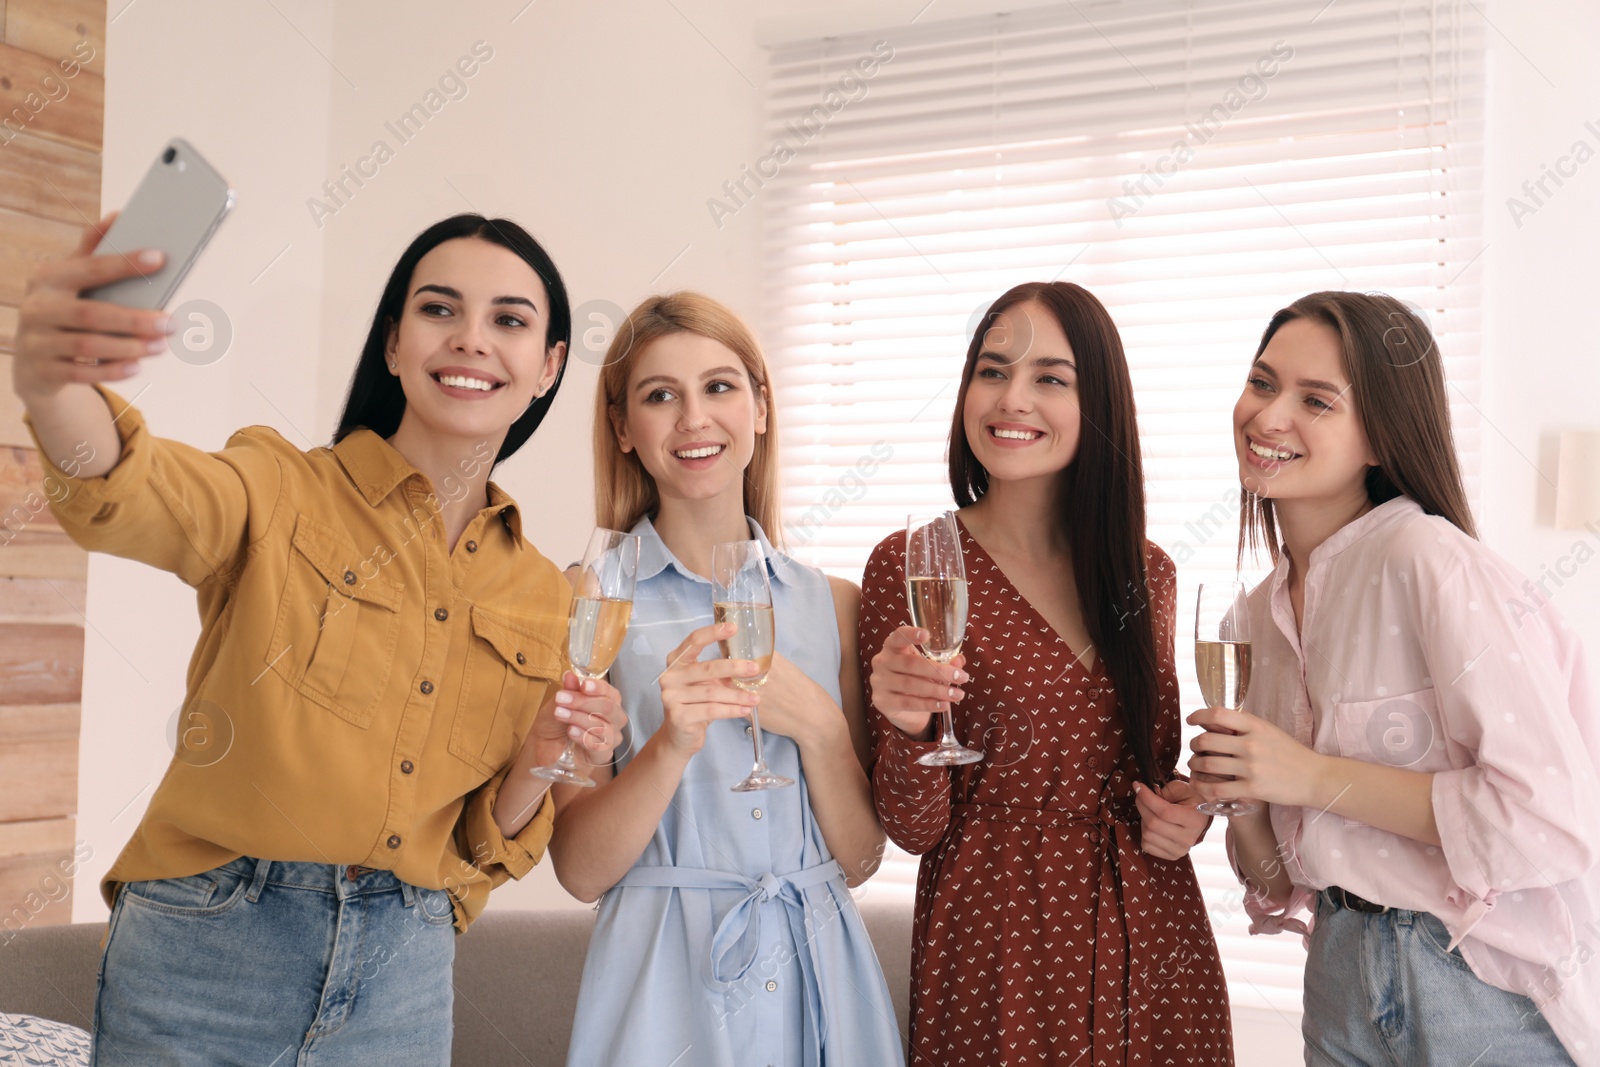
x=1222 y=660
x=741 y=594
x=596 y=625
x=936 y=589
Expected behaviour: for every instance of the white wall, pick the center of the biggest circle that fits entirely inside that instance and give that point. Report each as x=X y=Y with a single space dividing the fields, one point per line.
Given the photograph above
x=1541 y=354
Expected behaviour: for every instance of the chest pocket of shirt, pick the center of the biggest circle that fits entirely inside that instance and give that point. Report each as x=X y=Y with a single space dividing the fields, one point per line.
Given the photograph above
x=511 y=665
x=1398 y=731
x=335 y=637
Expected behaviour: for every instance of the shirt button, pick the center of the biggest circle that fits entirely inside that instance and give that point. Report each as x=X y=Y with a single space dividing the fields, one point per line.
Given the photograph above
x=406 y=766
x=394 y=840
x=748 y=732
x=441 y=614
x=772 y=987
x=472 y=546
x=521 y=659
x=349 y=577
x=756 y=814
x=426 y=687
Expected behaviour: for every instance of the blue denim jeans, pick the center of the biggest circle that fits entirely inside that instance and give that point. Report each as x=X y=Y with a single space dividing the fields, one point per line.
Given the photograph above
x=288 y=964
x=1382 y=990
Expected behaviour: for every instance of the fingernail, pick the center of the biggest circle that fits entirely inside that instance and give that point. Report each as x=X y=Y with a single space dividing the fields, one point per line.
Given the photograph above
x=749 y=668
x=163 y=324
x=961 y=678
x=150 y=257
x=563 y=713
x=575 y=733
x=591 y=687
x=563 y=697
x=153 y=347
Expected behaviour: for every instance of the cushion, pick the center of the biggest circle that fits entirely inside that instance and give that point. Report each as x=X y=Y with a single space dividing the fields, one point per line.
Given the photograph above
x=28 y=1041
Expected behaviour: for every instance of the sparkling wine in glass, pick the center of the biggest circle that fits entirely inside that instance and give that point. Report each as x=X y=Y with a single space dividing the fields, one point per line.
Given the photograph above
x=596 y=625
x=936 y=591
x=741 y=594
x=1222 y=660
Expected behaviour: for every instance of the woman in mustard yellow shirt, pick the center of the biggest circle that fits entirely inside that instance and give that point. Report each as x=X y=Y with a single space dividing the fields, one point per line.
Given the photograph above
x=380 y=662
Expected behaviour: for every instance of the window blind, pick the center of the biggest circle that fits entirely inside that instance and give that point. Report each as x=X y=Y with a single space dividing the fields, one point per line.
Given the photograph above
x=1196 y=164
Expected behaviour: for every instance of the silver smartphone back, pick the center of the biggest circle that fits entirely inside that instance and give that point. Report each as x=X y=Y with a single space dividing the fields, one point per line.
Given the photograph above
x=176 y=208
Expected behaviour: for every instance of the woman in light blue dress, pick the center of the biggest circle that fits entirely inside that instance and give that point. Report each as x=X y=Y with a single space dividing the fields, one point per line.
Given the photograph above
x=726 y=934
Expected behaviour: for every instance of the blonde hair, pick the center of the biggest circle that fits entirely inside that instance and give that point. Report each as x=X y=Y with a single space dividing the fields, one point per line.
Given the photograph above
x=624 y=490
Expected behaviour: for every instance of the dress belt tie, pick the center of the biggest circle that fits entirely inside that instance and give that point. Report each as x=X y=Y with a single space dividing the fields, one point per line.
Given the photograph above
x=737 y=938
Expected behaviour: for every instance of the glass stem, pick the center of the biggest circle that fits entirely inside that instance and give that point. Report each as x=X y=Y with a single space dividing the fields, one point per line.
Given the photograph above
x=566 y=760
x=755 y=736
x=948 y=738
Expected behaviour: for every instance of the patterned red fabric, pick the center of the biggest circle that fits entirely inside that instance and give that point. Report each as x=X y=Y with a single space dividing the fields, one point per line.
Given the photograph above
x=1043 y=935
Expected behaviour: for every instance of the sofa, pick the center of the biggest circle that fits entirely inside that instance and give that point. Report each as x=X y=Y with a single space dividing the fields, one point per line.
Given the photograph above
x=516 y=978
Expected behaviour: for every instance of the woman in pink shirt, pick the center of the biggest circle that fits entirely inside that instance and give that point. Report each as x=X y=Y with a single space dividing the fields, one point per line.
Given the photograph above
x=1420 y=732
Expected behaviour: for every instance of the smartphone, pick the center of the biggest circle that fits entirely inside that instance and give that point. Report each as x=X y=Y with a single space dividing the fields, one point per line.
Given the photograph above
x=177 y=207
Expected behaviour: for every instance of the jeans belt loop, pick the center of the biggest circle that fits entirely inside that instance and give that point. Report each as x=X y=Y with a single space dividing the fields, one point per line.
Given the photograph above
x=258 y=881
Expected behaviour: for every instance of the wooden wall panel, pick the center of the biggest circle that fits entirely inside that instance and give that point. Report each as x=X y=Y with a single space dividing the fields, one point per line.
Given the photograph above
x=37 y=97
x=29 y=242
x=52 y=110
x=24 y=497
x=41 y=663
x=12 y=432
x=50 y=179
x=41 y=553
x=60 y=29
x=38 y=761
x=35 y=600
x=33 y=856
x=37 y=835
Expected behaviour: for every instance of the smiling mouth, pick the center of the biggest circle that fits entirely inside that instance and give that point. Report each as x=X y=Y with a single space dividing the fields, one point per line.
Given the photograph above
x=1278 y=455
x=701 y=453
x=1016 y=435
x=462 y=381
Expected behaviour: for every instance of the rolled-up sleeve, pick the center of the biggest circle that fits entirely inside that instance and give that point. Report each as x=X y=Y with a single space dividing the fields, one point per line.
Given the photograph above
x=1511 y=688
x=1265 y=919
x=498 y=856
x=166 y=503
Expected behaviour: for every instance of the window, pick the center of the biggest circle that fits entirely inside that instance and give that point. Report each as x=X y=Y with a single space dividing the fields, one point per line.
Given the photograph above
x=1194 y=164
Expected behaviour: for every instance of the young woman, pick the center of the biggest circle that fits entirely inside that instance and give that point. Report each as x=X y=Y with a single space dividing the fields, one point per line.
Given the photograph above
x=1058 y=919
x=1422 y=737
x=376 y=640
x=726 y=933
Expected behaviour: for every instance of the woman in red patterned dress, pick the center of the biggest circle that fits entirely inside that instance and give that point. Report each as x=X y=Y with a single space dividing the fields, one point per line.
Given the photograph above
x=1058 y=920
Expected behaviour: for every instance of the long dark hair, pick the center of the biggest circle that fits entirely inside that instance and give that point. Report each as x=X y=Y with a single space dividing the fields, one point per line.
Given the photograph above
x=376 y=399
x=1397 y=378
x=1101 y=501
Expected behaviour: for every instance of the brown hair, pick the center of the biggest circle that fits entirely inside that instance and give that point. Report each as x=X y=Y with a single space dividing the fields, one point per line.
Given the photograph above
x=624 y=490
x=1101 y=500
x=1397 y=380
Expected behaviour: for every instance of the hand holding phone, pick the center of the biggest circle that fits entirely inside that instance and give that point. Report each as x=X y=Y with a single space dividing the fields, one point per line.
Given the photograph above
x=92 y=316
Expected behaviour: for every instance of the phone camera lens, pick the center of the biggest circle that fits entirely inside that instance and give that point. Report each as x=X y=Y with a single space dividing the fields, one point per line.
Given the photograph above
x=169 y=155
